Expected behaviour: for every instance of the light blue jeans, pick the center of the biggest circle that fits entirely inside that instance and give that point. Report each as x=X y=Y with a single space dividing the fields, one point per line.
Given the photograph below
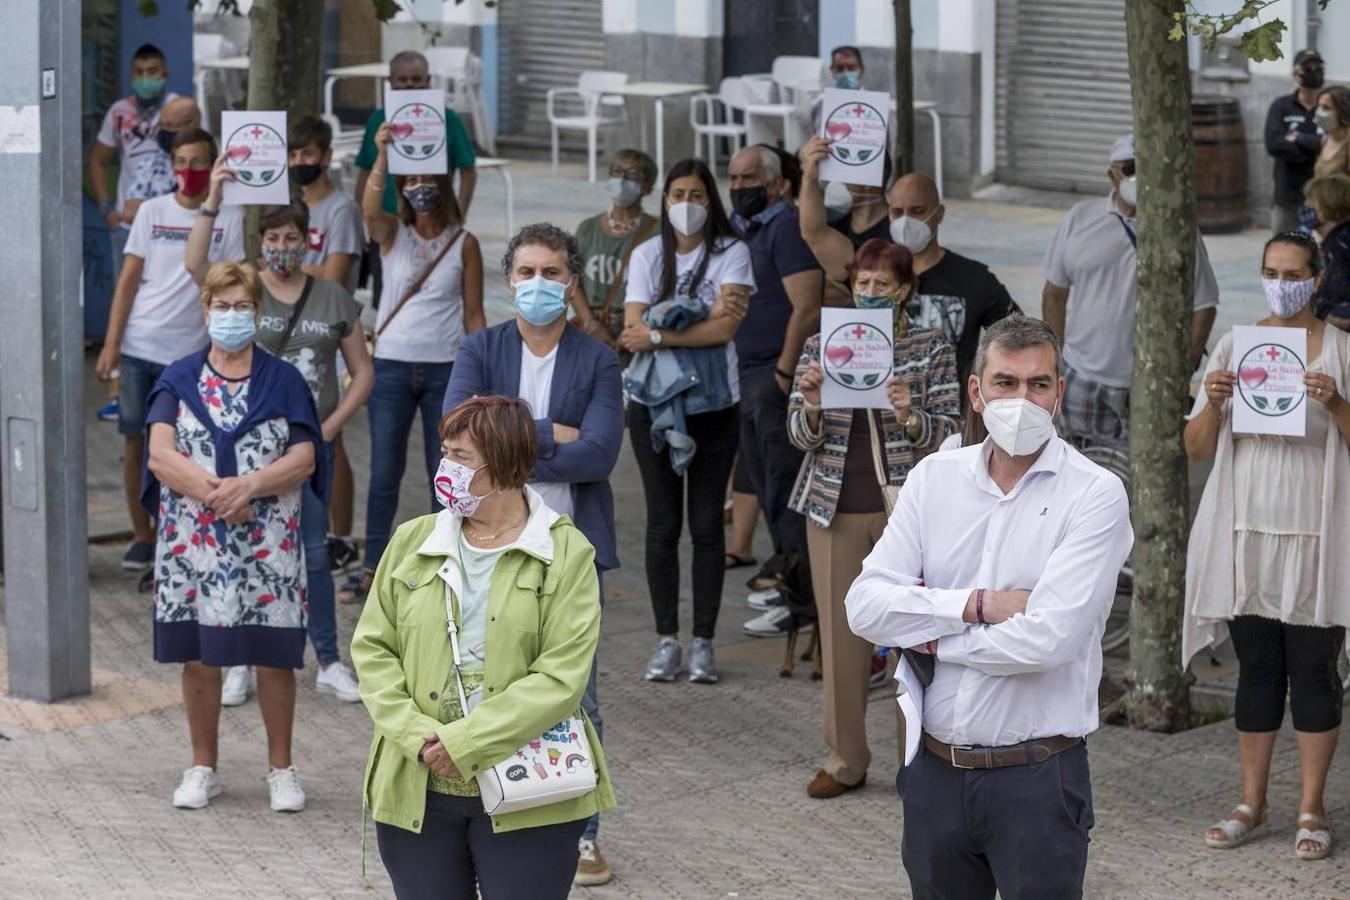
x=319 y=580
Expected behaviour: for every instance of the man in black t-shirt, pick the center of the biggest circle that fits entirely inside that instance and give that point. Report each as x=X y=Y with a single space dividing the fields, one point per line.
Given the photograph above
x=1293 y=139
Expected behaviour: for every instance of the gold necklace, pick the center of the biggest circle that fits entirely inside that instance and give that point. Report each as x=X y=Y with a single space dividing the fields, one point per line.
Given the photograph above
x=484 y=538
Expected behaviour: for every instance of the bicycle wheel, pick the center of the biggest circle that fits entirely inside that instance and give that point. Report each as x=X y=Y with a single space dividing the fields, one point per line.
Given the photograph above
x=1117 y=632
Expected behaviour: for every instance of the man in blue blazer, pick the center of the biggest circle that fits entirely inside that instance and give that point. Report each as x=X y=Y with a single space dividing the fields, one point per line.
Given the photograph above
x=572 y=384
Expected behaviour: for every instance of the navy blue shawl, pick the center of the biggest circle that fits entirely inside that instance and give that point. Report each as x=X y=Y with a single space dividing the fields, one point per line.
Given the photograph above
x=276 y=389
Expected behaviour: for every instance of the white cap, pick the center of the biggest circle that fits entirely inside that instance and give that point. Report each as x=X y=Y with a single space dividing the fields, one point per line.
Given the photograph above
x=1123 y=148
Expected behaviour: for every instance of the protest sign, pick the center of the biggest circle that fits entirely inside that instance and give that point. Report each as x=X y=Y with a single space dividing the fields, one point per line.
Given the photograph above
x=855 y=123
x=255 y=148
x=1270 y=397
x=416 y=122
x=857 y=355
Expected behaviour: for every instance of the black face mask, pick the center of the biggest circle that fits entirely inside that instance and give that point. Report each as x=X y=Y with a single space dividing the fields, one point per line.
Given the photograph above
x=165 y=139
x=1312 y=78
x=749 y=201
x=306 y=174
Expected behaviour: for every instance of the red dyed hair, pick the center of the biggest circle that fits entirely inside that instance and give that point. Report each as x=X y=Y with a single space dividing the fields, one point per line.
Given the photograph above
x=878 y=254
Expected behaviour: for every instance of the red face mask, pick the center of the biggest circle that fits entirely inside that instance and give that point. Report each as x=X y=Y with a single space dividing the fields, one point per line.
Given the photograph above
x=192 y=181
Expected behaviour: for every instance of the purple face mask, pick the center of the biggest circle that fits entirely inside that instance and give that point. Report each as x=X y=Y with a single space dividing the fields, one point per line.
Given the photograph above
x=452 y=488
x=1286 y=298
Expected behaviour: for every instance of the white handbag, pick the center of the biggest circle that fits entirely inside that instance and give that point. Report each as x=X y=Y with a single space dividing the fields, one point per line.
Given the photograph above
x=555 y=767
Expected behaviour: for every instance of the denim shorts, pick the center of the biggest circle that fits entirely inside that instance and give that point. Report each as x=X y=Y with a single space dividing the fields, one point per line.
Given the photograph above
x=133 y=392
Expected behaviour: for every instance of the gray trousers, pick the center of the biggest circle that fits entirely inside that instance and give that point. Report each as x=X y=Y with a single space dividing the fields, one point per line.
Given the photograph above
x=1283 y=218
x=1020 y=830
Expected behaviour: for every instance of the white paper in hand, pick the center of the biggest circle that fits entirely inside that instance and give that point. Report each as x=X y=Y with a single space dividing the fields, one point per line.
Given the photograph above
x=255 y=148
x=855 y=123
x=910 y=698
x=416 y=122
x=857 y=355
x=1270 y=396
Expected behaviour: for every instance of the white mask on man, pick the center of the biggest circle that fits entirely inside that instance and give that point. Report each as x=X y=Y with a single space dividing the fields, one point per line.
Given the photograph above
x=911 y=233
x=1018 y=426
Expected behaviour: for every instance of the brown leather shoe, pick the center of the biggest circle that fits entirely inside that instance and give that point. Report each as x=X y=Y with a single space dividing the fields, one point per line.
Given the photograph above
x=825 y=787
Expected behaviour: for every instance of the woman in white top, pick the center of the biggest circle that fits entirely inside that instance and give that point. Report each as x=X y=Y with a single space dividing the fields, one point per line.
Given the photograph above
x=1265 y=563
x=698 y=254
x=432 y=297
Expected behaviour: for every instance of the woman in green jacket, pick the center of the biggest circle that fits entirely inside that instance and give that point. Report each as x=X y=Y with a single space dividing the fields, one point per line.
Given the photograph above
x=526 y=604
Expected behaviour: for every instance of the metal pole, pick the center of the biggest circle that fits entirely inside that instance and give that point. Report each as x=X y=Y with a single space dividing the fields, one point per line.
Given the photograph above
x=41 y=352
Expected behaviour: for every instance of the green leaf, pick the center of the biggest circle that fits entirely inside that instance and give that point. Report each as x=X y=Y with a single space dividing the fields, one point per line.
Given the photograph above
x=427 y=148
x=409 y=149
x=1283 y=403
x=863 y=154
x=1262 y=43
x=386 y=9
x=1260 y=402
x=1178 y=32
x=843 y=153
x=245 y=174
x=845 y=378
x=265 y=175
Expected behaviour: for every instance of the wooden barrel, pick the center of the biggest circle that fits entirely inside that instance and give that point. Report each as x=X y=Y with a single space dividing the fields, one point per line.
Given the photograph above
x=1220 y=164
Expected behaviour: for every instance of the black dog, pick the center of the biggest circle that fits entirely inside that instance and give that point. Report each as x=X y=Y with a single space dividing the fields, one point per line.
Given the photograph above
x=782 y=573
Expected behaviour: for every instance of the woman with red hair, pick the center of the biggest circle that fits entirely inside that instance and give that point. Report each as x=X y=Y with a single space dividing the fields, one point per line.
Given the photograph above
x=852 y=456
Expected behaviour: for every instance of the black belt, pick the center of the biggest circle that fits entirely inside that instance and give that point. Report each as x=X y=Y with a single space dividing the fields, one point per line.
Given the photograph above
x=1024 y=754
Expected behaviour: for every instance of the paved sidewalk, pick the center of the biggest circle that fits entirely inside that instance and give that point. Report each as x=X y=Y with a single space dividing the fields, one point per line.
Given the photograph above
x=711 y=779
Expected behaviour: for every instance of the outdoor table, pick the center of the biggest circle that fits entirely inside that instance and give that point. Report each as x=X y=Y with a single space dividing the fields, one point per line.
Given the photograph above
x=502 y=167
x=377 y=70
x=225 y=64
x=658 y=92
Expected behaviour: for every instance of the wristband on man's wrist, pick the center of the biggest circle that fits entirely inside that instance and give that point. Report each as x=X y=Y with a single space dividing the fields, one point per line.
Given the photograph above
x=209 y=213
x=979 y=607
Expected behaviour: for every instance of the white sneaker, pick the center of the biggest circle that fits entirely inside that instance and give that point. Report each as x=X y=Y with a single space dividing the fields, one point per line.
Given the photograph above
x=763 y=600
x=336 y=678
x=234 y=686
x=773 y=623
x=287 y=793
x=199 y=785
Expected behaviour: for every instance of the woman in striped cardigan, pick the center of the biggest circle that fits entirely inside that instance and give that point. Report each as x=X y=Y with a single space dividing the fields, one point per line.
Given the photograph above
x=839 y=487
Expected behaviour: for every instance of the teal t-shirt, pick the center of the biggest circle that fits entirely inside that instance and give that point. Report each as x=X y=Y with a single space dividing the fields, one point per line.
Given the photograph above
x=458 y=148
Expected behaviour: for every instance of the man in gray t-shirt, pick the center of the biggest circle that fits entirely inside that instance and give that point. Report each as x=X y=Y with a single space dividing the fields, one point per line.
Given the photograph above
x=336 y=232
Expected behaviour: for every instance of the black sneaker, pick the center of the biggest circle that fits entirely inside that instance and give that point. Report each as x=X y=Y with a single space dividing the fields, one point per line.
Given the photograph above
x=342 y=554
x=139 y=556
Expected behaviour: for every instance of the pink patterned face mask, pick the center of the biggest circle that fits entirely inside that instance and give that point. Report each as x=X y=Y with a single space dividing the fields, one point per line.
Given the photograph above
x=452 y=488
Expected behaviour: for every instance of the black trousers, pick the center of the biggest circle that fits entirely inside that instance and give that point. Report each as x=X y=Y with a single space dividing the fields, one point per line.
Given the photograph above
x=457 y=855
x=771 y=464
x=714 y=434
x=1275 y=659
x=1021 y=830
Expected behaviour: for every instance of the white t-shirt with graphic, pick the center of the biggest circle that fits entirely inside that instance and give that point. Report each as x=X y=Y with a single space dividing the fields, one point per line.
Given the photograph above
x=166 y=320
x=730 y=265
x=536 y=389
x=134 y=133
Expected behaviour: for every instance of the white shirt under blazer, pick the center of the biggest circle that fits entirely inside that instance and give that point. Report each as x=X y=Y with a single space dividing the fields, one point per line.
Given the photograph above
x=1062 y=532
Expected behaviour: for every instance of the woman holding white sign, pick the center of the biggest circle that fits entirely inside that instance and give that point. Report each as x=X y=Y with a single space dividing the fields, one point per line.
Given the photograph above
x=845 y=481
x=1262 y=564
x=432 y=297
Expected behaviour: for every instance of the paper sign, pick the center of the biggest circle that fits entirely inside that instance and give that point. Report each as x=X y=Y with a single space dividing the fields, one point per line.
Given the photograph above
x=20 y=129
x=417 y=124
x=855 y=123
x=1270 y=397
x=255 y=147
x=857 y=356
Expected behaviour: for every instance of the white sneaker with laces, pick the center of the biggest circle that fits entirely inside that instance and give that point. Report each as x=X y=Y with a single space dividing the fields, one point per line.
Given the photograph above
x=773 y=623
x=287 y=793
x=235 y=685
x=336 y=678
x=199 y=785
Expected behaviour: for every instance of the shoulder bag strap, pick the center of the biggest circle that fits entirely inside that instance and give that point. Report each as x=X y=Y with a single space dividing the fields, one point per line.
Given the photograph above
x=420 y=280
x=617 y=284
x=453 y=627
x=878 y=454
x=295 y=316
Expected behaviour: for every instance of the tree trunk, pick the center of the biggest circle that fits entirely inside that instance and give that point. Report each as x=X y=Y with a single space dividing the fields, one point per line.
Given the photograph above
x=1159 y=689
x=904 y=90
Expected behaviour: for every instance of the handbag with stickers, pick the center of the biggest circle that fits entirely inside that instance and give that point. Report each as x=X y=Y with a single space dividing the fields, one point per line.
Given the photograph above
x=554 y=767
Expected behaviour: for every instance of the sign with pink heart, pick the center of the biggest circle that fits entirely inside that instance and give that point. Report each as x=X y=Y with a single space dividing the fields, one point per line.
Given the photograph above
x=857 y=354
x=255 y=148
x=417 y=125
x=855 y=124
x=1270 y=397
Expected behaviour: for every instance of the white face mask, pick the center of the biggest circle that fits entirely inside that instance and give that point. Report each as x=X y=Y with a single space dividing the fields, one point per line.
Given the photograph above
x=911 y=233
x=1018 y=426
x=838 y=200
x=1129 y=191
x=688 y=218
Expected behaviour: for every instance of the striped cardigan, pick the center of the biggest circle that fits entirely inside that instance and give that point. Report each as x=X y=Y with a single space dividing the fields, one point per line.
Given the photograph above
x=927 y=363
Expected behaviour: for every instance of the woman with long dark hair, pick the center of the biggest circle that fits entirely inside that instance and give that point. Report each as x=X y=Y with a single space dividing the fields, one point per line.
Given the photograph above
x=687 y=292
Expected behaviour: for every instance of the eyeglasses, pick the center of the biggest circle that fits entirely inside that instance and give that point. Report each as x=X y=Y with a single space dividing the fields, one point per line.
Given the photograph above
x=241 y=306
x=633 y=174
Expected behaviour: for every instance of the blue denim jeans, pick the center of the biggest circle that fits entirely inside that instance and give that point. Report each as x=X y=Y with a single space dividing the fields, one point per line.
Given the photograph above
x=133 y=394
x=590 y=704
x=314 y=534
x=401 y=390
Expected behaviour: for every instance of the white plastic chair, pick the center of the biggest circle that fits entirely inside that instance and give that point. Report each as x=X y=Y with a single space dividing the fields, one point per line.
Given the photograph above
x=732 y=94
x=597 y=111
x=461 y=74
x=762 y=104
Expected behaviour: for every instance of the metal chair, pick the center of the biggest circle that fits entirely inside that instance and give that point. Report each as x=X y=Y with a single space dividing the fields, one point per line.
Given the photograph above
x=732 y=94
x=597 y=111
x=461 y=74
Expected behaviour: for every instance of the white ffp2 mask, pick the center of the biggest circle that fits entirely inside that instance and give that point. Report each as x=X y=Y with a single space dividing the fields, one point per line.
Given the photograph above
x=687 y=218
x=1018 y=426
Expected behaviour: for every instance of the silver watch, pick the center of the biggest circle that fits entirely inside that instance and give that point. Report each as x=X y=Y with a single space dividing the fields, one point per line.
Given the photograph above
x=656 y=337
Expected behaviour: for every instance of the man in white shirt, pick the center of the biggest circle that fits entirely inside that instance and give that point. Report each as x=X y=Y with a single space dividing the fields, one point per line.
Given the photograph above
x=156 y=315
x=1000 y=563
x=1089 y=301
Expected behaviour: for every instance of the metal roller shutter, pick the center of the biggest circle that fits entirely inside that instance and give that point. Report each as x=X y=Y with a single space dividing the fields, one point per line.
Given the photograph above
x=1063 y=91
x=544 y=44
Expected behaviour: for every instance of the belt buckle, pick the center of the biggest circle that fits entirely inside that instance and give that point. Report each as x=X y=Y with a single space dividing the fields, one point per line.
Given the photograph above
x=952 y=752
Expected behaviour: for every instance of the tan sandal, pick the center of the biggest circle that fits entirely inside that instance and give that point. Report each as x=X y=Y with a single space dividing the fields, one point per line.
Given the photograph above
x=1236 y=832
x=1319 y=835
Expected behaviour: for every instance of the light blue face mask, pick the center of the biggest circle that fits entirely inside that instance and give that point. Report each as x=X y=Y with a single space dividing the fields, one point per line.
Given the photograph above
x=848 y=81
x=232 y=331
x=540 y=301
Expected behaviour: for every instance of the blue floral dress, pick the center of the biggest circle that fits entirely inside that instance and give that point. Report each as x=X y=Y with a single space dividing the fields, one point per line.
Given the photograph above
x=229 y=594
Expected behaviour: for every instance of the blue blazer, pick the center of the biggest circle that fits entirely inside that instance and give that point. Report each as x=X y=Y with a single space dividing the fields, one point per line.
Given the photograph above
x=586 y=395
